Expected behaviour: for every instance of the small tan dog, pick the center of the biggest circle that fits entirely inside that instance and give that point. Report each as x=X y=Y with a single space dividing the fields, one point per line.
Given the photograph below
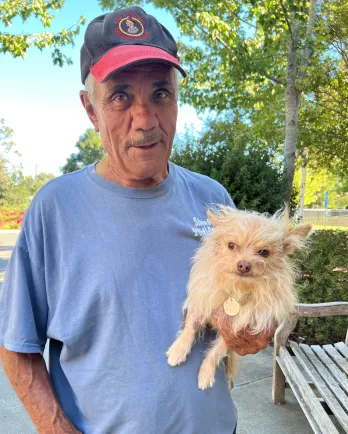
x=242 y=271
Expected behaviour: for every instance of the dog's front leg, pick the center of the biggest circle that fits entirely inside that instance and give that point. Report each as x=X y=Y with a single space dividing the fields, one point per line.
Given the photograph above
x=180 y=349
x=213 y=357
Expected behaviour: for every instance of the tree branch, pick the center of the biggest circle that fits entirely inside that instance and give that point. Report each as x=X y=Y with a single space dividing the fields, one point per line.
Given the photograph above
x=286 y=18
x=340 y=102
x=338 y=112
x=274 y=79
x=237 y=16
x=327 y=152
x=306 y=51
x=228 y=48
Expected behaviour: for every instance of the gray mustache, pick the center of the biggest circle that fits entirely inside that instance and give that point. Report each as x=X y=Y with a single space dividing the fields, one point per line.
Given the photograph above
x=152 y=137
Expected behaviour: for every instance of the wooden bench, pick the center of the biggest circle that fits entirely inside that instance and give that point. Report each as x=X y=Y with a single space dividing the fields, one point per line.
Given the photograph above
x=326 y=366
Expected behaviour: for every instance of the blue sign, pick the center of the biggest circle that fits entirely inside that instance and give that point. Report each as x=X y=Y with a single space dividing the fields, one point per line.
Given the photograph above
x=326 y=200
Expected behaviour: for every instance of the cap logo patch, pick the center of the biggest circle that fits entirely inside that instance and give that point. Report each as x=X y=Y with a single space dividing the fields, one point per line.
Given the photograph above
x=131 y=27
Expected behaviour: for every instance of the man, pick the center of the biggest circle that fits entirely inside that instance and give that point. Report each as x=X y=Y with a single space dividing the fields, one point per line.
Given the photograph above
x=102 y=261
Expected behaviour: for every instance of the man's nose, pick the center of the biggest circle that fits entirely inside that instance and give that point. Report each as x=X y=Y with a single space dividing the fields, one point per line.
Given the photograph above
x=144 y=117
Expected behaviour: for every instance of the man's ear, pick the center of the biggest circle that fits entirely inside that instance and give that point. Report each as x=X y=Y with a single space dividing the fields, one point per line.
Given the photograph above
x=295 y=237
x=90 y=110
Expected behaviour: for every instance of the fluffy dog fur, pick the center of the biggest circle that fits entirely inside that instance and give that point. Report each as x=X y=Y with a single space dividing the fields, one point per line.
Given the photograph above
x=265 y=293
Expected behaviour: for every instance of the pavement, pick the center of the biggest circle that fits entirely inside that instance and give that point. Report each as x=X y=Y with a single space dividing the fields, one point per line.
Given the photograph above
x=252 y=392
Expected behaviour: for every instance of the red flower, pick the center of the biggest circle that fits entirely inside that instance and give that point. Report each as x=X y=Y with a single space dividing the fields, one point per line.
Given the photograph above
x=1 y=222
x=19 y=221
x=21 y=213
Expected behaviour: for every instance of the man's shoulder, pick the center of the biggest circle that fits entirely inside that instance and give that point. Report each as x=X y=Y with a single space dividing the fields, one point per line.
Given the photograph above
x=60 y=193
x=62 y=185
x=200 y=181
x=203 y=188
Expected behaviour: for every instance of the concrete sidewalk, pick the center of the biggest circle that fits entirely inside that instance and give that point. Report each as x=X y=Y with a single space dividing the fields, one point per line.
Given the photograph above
x=251 y=394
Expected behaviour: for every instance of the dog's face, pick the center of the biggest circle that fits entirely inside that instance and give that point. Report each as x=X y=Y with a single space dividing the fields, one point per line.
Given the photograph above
x=249 y=247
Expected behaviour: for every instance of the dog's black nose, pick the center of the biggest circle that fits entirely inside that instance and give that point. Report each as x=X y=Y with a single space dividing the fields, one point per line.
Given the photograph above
x=244 y=266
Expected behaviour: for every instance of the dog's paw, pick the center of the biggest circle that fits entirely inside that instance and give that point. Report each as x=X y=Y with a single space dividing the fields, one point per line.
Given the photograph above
x=206 y=378
x=176 y=354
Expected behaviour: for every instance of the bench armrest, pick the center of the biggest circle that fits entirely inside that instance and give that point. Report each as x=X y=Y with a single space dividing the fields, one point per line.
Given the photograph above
x=322 y=309
x=337 y=308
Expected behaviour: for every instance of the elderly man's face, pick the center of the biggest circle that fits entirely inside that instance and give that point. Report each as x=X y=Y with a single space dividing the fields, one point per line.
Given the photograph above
x=135 y=112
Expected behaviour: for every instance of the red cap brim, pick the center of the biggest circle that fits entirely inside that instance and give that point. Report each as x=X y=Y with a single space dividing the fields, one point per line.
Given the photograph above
x=125 y=55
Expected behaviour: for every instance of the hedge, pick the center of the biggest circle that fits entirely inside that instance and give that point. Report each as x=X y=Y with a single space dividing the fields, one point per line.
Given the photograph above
x=323 y=278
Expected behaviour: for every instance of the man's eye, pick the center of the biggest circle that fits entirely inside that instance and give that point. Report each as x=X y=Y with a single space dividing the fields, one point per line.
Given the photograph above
x=120 y=97
x=161 y=94
x=264 y=253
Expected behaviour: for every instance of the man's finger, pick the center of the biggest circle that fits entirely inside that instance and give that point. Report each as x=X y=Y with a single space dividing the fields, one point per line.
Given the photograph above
x=261 y=344
x=240 y=351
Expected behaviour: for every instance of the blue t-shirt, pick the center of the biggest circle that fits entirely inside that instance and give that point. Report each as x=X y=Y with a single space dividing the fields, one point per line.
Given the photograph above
x=101 y=270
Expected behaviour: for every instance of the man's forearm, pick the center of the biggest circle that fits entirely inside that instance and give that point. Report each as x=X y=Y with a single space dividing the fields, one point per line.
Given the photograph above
x=29 y=378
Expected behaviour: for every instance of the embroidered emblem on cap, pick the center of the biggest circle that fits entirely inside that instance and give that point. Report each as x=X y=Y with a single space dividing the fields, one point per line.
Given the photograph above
x=131 y=27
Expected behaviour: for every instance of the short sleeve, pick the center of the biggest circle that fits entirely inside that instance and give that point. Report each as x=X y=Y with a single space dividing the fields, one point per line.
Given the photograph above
x=23 y=303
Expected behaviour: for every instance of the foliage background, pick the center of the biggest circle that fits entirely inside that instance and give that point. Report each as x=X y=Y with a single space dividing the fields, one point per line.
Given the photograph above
x=323 y=277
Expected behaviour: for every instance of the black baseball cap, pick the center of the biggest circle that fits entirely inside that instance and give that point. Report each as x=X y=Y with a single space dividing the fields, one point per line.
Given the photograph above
x=125 y=37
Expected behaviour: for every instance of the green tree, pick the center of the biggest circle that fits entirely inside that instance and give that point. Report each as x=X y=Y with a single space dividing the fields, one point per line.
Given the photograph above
x=251 y=174
x=322 y=278
x=6 y=147
x=18 y=44
x=22 y=189
x=257 y=58
x=16 y=190
x=320 y=181
x=90 y=150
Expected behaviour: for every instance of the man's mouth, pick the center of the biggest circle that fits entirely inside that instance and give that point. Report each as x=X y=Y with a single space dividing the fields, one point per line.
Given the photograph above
x=146 y=146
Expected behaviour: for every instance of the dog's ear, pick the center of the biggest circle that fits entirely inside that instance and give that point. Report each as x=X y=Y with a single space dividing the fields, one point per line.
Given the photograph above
x=214 y=219
x=294 y=237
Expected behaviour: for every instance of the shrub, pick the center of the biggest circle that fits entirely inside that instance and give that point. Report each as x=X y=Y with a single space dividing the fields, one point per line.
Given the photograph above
x=251 y=174
x=11 y=218
x=249 y=177
x=324 y=278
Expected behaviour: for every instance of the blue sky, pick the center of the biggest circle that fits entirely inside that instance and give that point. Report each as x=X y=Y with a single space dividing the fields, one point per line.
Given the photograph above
x=40 y=101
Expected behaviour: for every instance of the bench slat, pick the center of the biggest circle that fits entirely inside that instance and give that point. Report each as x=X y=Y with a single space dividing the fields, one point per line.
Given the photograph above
x=327 y=377
x=313 y=367
x=336 y=356
x=342 y=348
x=318 y=419
x=322 y=309
x=335 y=371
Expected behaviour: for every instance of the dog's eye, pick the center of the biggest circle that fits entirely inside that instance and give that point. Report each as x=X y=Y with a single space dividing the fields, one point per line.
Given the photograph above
x=231 y=246
x=264 y=253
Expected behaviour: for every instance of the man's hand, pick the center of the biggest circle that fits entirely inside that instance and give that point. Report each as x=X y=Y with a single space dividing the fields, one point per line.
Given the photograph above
x=244 y=342
x=30 y=379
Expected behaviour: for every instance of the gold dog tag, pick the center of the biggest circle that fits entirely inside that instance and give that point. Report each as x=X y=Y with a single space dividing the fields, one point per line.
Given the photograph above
x=231 y=306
